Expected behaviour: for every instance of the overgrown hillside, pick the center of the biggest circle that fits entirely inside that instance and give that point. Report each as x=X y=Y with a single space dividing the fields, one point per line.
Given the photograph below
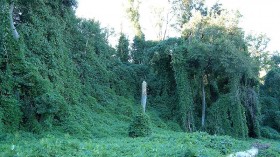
x=60 y=73
x=62 y=77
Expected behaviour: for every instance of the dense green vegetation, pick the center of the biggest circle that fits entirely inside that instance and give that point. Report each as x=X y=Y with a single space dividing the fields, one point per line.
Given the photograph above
x=161 y=143
x=65 y=91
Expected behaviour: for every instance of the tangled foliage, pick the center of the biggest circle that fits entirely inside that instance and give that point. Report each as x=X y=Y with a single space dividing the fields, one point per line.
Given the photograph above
x=270 y=100
x=58 y=75
x=205 y=65
x=270 y=133
x=63 y=75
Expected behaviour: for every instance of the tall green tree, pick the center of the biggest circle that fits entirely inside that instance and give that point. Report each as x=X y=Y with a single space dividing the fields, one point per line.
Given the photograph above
x=123 y=48
x=182 y=11
x=134 y=16
x=257 y=45
x=138 y=50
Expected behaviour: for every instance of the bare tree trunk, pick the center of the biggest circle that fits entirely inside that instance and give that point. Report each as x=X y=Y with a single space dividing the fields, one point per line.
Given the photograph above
x=13 y=28
x=86 y=47
x=166 y=26
x=189 y=122
x=144 y=95
x=203 y=104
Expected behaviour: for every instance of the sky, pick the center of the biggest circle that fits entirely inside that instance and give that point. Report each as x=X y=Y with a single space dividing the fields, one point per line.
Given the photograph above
x=259 y=16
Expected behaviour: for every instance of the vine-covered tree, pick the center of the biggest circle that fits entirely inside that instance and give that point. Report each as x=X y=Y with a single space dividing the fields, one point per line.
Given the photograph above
x=214 y=74
x=270 y=99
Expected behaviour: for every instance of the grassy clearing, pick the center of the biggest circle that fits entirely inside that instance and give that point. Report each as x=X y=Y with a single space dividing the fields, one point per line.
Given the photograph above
x=160 y=143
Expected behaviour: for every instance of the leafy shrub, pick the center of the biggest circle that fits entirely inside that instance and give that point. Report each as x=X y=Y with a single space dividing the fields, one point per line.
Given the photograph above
x=174 y=126
x=141 y=126
x=270 y=112
x=270 y=133
x=269 y=153
x=277 y=120
x=11 y=113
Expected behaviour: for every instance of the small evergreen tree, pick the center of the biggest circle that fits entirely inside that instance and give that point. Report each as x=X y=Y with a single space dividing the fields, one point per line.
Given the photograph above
x=140 y=126
x=138 y=50
x=123 y=48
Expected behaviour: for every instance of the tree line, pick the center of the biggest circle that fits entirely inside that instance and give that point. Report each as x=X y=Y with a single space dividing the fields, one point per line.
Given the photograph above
x=61 y=70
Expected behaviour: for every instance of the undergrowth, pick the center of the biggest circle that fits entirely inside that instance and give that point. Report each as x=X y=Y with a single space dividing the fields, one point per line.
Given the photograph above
x=160 y=143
